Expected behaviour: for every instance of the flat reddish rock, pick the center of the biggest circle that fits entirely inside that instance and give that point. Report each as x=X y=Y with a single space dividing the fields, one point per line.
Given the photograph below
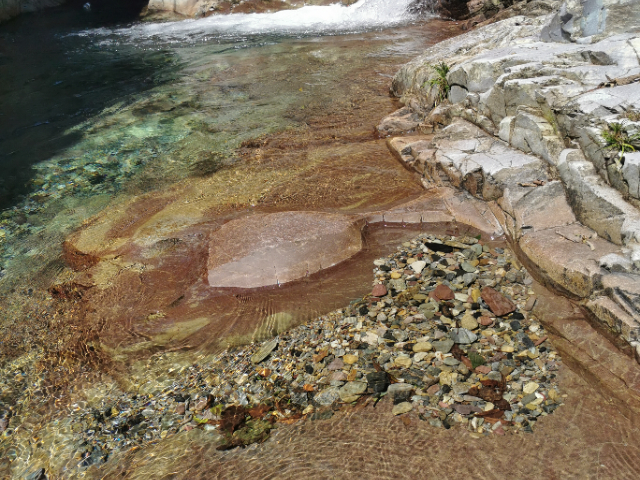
x=379 y=290
x=484 y=369
x=498 y=303
x=433 y=389
x=485 y=321
x=277 y=248
x=442 y=292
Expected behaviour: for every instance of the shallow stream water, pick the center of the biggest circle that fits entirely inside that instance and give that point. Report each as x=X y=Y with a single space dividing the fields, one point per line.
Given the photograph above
x=245 y=114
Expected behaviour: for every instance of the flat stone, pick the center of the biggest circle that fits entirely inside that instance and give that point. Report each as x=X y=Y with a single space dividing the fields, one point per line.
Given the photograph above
x=463 y=409
x=327 y=396
x=442 y=292
x=351 y=391
x=497 y=303
x=469 y=322
x=402 y=408
x=261 y=250
x=336 y=364
x=379 y=290
x=422 y=347
x=398 y=285
x=400 y=392
x=403 y=361
x=264 y=351
x=433 y=389
x=463 y=335
x=485 y=321
x=338 y=377
x=467 y=267
x=530 y=387
x=418 y=266
x=350 y=359
x=443 y=346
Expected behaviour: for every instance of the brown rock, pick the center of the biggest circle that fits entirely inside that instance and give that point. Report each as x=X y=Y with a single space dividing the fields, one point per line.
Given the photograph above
x=484 y=369
x=180 y=409
x=202 y=403
x=272 y=249
x=485 y=321
x=320 y=355
x=433 y=389
x=379 y=290
x=442 y=292
x=498 y=303
x=337 y=364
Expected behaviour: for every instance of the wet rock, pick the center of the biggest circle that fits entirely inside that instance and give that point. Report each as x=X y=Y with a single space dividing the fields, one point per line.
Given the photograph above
x=418 y=266
x=443 y=346
x=351 y=391
x=378 y=381
x=273 y=249
x=264 y=351
x=350 y=359
x=463 y=336
x=422 y=347
x=400 y=392
x=327 y=397
x=469 y=322
x=403 y=361
x=336 y=364
x=38 y=474
x=379 y=290
x=498 y=303
x=442 y=292
x=402 y=408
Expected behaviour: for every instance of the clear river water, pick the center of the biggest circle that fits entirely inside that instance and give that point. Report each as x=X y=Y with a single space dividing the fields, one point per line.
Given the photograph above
x=253 y=112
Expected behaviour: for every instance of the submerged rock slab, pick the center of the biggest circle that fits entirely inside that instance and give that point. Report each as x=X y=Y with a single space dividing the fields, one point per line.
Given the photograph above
x=278 y=248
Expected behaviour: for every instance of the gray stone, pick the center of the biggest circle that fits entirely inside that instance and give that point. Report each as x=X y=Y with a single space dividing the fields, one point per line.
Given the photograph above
x=400 y=392
x=398 y=285
x=264 y=351
x=443 y=346
x=327 y=396
x=351 y=391
x=400 y=335
x=463 y=336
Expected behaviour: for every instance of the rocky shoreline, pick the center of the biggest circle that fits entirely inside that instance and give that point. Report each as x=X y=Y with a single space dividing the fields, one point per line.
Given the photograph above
x=448 y=332
x=530 y=100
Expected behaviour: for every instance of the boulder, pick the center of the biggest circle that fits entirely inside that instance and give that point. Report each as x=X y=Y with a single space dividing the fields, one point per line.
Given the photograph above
x=273 y=249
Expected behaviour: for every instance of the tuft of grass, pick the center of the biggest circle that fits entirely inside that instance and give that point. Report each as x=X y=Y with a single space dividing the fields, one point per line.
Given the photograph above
x=618 y=140
x=440 y=81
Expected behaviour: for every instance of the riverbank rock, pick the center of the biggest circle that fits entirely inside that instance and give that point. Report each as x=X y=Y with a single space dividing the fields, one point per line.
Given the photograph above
x=530 y=99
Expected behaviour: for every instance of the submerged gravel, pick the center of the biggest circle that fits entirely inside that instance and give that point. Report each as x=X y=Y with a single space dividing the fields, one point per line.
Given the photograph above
x=447 y=334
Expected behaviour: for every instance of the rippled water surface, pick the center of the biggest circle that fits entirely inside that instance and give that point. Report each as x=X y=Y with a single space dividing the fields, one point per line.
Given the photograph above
x=115 y=134
x=272 y=112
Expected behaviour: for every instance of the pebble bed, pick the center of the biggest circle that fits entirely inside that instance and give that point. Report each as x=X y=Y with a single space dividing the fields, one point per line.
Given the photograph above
x=447 y=333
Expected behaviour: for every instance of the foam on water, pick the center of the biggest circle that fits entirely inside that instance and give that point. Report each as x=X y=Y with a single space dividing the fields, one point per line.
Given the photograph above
x=336 y=18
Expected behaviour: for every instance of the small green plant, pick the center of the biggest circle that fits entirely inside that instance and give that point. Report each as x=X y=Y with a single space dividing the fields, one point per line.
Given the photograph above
x=440 y=82
x=618 y=140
